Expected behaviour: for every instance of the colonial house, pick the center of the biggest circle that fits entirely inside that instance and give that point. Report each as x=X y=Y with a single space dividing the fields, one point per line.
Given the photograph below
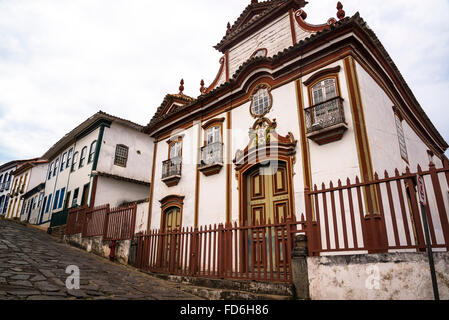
x=27 y=177
x=293 y=106
x=104 y=160
x=6 y=178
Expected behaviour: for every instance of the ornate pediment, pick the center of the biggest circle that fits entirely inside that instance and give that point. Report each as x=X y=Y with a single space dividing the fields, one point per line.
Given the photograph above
x=265 y=143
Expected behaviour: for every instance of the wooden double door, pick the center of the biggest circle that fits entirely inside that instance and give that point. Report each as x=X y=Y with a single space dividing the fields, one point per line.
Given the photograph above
x=268 y=204
x=268 y=194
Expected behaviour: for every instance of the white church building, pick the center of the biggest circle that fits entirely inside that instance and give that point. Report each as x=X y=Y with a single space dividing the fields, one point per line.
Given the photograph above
x=293 y=106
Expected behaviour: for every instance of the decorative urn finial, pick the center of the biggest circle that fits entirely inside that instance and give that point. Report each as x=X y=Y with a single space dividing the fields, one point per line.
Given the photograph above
x=181 y=87
x=202 y=89
x=228 y=28
x=340 y=13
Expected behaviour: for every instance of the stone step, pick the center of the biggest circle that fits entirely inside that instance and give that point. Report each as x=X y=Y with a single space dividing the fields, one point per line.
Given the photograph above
x=226 y=294
x=234 y=288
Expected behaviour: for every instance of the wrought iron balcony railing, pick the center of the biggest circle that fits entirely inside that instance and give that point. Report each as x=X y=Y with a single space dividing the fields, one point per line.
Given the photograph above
x=325 y=115
x=171 y=167
x=211 y=154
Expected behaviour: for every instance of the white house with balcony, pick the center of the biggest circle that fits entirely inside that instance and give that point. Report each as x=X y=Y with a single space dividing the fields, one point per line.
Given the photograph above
x=104 y=160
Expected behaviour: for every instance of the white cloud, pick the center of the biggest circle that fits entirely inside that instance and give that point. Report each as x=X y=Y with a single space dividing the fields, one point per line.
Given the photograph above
x=61 y=61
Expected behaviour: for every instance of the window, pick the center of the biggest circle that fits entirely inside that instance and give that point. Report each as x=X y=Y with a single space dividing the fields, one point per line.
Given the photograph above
x=401 y=137
x=69 y=157
x=61 y=198
x=175 y=149
x=121 y=155
x=41 y=198
x=74 y=161
x=56 y=167
x=92 y=150
x=50 y=170
x=261 y=102
x=213 y=135
x=63 y=160
x=75 y=197
x=323 y=91
x=83 y=156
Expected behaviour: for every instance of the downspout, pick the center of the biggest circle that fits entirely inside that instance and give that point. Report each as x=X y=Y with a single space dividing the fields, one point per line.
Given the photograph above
x=93 y=190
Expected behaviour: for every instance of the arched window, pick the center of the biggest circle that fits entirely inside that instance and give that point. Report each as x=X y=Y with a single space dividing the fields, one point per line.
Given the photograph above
x=93 y=148
x=50 y=170
x=324 y=90
x=69 y=157
x=55 y=169
x=121 y=155
x=74 y=161
x=63 y=161
x=175 y=149
x=83 y=156
x=261 y=101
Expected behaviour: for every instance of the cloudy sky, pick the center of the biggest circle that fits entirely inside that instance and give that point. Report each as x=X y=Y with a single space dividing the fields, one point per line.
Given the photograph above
x=63 y=60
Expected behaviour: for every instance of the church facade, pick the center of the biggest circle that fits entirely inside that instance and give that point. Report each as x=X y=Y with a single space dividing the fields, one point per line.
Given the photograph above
x=293 y=105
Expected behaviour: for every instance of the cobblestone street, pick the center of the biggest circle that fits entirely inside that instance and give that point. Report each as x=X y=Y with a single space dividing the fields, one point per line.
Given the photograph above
x=33 y=265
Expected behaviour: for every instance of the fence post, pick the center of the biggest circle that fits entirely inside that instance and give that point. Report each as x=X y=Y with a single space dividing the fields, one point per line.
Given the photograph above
x=139 y=250
x=410 y=183
x=300 y=275
x=106 y=222
x=221 y=251
x=312 y=225
x=440 y=203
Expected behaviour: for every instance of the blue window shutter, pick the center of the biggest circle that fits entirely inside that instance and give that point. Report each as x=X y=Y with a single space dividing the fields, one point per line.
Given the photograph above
x=55 y=203
x=61 y=198
x=48 y=203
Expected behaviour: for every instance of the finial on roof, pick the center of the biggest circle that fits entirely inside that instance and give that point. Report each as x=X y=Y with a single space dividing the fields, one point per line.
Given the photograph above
x=202 y=89
x=341 y=13
x=181 y=87
x=228 y=28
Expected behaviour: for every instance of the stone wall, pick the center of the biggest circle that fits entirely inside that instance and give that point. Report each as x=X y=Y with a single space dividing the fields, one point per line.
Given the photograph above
x=97 y=246
x=393 y=276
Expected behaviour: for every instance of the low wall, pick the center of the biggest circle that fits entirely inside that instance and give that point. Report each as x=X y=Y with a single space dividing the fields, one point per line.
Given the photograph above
x=393 y=276
x=97 y=246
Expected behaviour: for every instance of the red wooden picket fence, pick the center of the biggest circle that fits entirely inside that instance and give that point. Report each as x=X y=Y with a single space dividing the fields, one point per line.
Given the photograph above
x=112 y=224
x=76 y=220
x=260 y=252
x=94 y=221
x=120 y=223
x=382 y=215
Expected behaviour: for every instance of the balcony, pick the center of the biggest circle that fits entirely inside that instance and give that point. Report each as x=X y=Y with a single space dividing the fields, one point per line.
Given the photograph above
x=325 y=122
x=211 y=159
x=171 y=171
